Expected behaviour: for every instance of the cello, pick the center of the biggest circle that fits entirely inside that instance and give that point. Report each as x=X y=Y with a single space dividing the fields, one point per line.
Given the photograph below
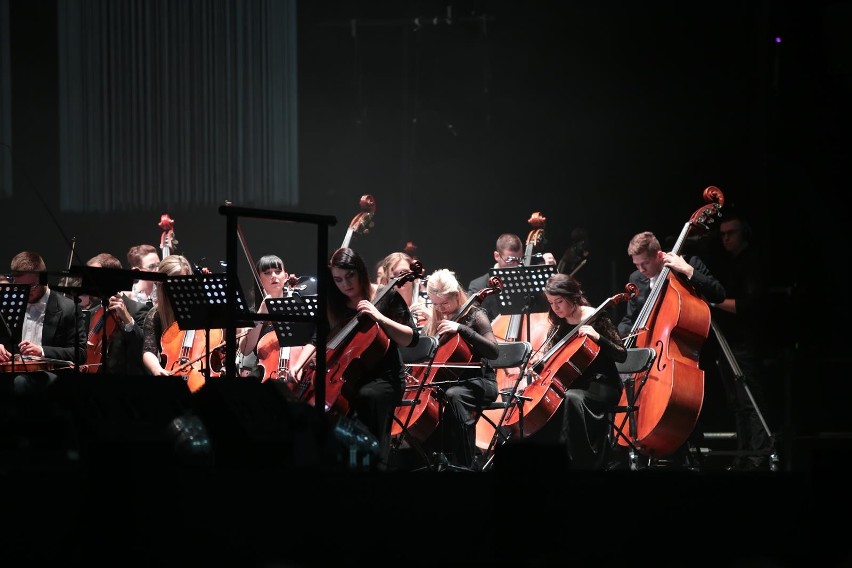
x=185 y=353
x=358 y=345
x=530 y=327
x=553 y=374
x=675 y=321
x=423 y=417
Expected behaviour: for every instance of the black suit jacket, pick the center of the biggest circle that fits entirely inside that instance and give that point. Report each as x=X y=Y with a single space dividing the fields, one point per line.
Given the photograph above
x=64 y=334
x=490 y=303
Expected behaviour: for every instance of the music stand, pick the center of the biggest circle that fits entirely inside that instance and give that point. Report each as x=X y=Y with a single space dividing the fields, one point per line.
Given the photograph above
x=201 y=302
x=292 y=333
x=523 y=289
x=13 y=309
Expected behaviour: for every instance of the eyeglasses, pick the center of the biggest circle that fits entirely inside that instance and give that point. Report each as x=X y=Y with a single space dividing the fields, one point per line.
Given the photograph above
x=509 y=259
x=152 y=267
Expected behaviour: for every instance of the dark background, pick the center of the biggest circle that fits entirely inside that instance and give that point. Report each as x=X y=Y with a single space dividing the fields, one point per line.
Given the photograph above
x=612 y=117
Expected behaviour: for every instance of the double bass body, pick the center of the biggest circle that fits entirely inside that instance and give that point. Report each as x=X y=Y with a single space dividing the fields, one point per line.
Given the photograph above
x=672 y=395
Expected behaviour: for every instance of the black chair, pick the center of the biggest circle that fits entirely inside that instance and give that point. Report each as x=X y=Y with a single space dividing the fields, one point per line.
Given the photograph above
x=422 y=353
x=512 y=354
x=634 y=372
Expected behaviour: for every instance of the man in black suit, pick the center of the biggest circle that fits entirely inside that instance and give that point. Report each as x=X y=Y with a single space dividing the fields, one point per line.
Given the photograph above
x=508 y=253
x=53 y=327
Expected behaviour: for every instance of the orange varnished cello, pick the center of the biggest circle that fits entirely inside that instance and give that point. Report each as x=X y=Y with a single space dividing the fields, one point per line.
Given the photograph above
x=184 y=353
x=516 y=327
x=675 y=321
x=553 y=374
x=451 y=357
x=357 y=346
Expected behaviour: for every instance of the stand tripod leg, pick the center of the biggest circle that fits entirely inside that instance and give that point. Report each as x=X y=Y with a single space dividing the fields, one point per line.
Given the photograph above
x=773 y=454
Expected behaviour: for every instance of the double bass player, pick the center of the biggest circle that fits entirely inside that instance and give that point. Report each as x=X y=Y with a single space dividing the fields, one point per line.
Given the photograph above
x=650 y=261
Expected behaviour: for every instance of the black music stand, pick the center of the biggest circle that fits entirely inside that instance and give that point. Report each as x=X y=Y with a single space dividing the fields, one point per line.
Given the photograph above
x=292 y=333
x=13 y=309
x=201 y=302
x=523 y=290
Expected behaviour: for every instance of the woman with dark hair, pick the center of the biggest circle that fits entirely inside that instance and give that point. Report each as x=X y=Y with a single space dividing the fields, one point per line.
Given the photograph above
x=262 y=355
x=376 y=389
x=584 y=427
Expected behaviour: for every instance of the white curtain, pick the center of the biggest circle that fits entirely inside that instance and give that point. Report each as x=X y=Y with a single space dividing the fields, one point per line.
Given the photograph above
x=167 y=103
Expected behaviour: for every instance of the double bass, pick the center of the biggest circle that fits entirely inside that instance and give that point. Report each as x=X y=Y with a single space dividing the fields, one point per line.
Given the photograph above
x=557 y=369
x=422 y=418
x=530 y=327
x=675 y=321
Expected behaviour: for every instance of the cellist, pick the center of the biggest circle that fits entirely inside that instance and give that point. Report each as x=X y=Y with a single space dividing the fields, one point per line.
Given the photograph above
x=475 y=387
x=583 y=424
x=378 y=387
x=162 y=316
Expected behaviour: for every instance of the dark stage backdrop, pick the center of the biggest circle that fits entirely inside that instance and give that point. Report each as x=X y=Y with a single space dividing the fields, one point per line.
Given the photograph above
x=611 y=117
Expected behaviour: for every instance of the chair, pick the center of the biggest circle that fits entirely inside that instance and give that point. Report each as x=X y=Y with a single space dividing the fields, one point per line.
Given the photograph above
x=512 y=354
x=422 y=352
x=637 y=366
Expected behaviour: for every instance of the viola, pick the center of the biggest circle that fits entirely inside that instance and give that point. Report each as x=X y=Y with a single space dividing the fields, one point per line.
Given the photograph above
x=530 y=327
x=553 y=374
x=356 y=347
x=451 y=358
x=184 y=353
x=675 y=321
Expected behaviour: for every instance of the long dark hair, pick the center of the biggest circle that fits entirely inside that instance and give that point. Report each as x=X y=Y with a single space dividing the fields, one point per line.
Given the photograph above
x=568 y=287
x=346 y=259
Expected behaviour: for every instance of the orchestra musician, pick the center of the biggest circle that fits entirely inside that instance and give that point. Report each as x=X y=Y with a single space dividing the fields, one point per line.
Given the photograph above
x=53 y=327
x=378 y=389
x=162 y=316
x=274 y=281
x=584 y=428
x=145 y=258
x=124 y=346
x=475 y=387
x=508 y=253
x=394 y=265
x=649 y=259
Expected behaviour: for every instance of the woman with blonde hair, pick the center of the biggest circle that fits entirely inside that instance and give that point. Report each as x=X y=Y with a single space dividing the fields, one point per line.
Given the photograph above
x=474 y=387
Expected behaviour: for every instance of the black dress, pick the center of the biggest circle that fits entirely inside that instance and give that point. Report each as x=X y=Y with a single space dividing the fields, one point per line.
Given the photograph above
x=584 y=427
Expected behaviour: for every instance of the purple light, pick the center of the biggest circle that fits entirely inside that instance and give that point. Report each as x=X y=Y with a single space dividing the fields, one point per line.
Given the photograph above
x=777 y=39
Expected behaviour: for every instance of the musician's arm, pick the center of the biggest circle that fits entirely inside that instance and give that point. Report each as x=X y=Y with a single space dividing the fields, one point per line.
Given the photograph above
x=480 y=336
